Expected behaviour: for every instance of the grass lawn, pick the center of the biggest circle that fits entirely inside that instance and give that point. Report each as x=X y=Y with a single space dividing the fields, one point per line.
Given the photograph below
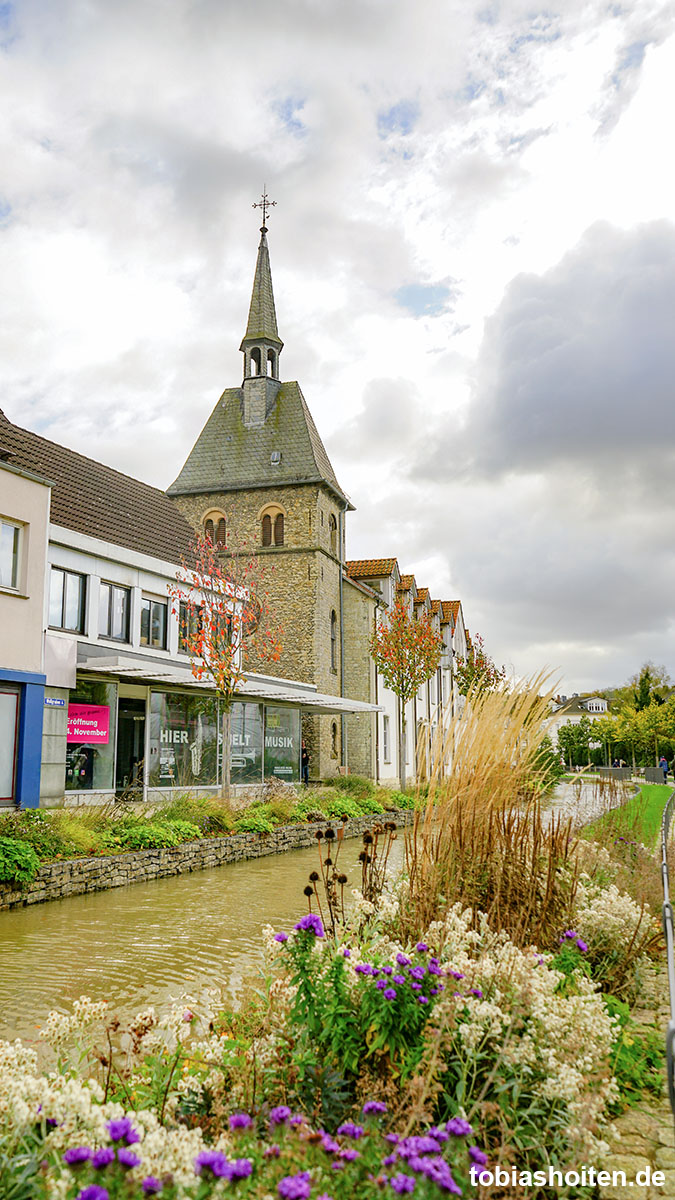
x=639 y=820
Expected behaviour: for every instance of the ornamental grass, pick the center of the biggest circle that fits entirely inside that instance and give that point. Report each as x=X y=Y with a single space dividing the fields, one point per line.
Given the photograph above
x=482 y=839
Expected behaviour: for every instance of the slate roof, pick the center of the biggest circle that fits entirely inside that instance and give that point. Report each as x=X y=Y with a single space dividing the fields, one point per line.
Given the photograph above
x=262 y=316
x=93 y=499
x=229 y=456
x=370 y=568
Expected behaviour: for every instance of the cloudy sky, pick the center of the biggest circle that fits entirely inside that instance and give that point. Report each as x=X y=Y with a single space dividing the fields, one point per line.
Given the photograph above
x=473 y=253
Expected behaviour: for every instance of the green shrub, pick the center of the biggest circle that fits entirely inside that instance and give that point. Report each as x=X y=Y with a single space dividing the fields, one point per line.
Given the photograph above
x=185 y=831
x=638 y=1057
x=212 y=817
x=140 y=835
x=354 y=785
x=403 y=800
x=18 y=861
x=341 y=806
x=39 y=830
x=256 y=819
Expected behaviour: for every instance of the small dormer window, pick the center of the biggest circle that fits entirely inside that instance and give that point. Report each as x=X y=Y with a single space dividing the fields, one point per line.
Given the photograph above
x=275 y=458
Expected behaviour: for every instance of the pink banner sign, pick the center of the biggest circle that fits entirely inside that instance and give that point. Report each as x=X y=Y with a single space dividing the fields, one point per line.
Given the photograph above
x=89 y=723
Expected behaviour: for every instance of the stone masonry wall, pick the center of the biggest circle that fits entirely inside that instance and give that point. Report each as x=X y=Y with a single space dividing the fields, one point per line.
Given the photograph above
x=302 y=579
x=74 y=876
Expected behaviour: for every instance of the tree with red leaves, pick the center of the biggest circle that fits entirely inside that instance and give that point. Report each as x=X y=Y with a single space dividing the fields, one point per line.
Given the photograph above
x=406 y=652
x=478 y=672
x=224 y=623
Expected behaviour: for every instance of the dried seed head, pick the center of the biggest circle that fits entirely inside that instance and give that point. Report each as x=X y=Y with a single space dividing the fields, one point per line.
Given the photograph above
x=314 y=876
x=362 y=856
x=319 y=834
x=330 y=835
x=328 y=862
x=367 y=839
x=344 y=818
x=342 y=879
x=308 y=891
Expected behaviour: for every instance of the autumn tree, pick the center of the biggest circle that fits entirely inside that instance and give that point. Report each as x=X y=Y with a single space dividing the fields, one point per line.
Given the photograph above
x=225 y=623
x=478 y=672
x=407 y=652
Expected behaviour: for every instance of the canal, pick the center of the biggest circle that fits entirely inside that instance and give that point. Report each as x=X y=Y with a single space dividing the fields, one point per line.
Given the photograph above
x=146 y=943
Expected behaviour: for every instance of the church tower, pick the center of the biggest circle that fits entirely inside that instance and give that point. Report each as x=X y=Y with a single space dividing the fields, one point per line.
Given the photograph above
x=259 y=467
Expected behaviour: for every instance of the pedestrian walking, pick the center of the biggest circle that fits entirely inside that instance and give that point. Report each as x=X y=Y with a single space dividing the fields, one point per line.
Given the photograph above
x=663 y=763
x=304 y=764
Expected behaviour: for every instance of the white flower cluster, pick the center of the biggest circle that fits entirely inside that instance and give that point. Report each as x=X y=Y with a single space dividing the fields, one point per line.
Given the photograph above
x=609 y=920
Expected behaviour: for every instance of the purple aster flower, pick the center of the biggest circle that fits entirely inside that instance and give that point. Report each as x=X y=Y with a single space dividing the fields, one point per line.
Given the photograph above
x=295 y=1187
x=349 y=1154
x=417 y=972
x=241 y=1168
x=416 y=1145
x=400 y=979
x=477 y=1156
x=151 y=1185
x=310 y=923
x=337 y=1165
x=281 y=936
x=127 y=1157
x=540 y=960
x=422 y=999
x=347 y=952
x=582 y=945
x=458 y=1127
x=456 y=974
x=349 y=1129
x=387 y=970
x=103 y=1157
x=381 y=985
x=280 y=1114
x=213 y=1161
x=476 y=992
x=392 y=1138
x=324 y=1196
x=363 y=968
x=329 y=1144
x=240 y=1121
x=439 y=1134
x=76 y=1155
x=402 y=1183
x=298 y=1119
x=416 y=987
x=93 y=1192
x=122 y=1129
x=373 y=1106
x=389 y=1160
x=422 y=947
x=390 y=994
x=402 y=960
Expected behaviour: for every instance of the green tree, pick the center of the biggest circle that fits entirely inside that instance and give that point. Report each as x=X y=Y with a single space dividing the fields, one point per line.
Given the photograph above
x=407 y=652
x=478 y=672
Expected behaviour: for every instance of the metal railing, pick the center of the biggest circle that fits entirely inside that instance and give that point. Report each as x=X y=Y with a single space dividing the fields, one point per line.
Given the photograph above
x=669 y=934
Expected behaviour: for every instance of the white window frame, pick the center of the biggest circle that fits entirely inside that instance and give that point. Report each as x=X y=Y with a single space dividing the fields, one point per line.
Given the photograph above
x=16 y=553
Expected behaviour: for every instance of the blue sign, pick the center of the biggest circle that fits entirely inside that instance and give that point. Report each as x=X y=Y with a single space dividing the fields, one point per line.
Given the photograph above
x=55 y=702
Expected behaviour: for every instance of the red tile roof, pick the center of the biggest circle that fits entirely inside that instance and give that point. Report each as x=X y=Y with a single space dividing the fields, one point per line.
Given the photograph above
x=422 y=596
x=370 y=568
x=436 y=607
x=407 y=581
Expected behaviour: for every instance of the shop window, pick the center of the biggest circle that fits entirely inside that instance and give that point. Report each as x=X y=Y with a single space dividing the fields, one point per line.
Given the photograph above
x=113 y=612
x=67 y=596
x=282 y=743
x=333 y=641
x=90 y=741
x=246 y=736
x=9 y=554
x=153 y=623
x=183 y=740
x=9 y=725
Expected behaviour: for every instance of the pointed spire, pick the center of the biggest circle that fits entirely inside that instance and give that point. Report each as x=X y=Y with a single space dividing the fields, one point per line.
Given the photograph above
x=262 y=317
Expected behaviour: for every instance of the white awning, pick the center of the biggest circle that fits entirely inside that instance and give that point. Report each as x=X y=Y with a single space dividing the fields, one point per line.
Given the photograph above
x=251 y=688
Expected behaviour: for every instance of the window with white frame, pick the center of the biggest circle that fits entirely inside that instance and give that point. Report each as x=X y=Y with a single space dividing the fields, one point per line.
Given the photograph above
x=10 y=535
x=386 y=739
x=113 y=612
x=153 y=622
x=67 y=594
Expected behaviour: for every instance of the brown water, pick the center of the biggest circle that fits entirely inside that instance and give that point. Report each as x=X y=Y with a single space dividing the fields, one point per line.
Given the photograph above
x=148 y=942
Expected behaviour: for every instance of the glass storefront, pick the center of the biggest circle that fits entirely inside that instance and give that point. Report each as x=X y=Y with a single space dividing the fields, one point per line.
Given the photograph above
x=247 y=743
x=183 y=741
x=282 y=743
x=90 y=741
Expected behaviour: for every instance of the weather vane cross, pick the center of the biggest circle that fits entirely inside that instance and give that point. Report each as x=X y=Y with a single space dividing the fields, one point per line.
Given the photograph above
x=265 y=203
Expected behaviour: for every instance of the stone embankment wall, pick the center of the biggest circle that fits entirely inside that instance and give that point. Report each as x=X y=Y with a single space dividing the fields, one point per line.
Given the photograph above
x=73 y=876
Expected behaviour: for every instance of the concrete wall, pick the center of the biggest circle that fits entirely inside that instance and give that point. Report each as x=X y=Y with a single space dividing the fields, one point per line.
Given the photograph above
x=74 y=876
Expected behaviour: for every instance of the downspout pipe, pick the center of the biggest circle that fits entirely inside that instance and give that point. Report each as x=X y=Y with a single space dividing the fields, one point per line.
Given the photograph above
x=343 y=724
